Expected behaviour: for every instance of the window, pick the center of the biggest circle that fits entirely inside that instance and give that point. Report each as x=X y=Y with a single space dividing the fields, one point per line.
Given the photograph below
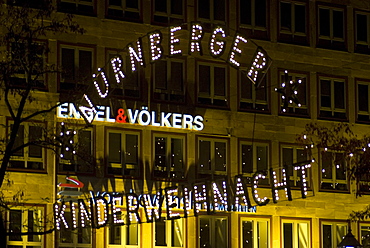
x=362 y=96
x=291 y=155
x=30 y=157
x=332 y=233
x=82 y=7
x=302 y=94
x=253 y=98
x=123 y=153
x=37 y=52
x=38 y=4
x=253 y=18
x=130 y=86
x=123 y=236
x=255 y=233
x=333 y=171
x=169 y=233
x=169 y=12
x=77 y=66
x=169 y=78
x=362 y=38
x=128 y=10
x=213 y=231
x=25 y=220
x=296 y=233
x=365 y=234
x=332 y=98
x=293 y=22
x=331 y=27
x=254 y=156
x=169 y=156
x=82 y=161
x=78 y=238
x=212 y=87
x=212 y=11
x=212 y=156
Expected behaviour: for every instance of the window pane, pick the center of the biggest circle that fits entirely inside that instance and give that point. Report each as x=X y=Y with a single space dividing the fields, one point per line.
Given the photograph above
x=261 y=158
x=115 y=235
x=176 y=7
x=245 y=12
x=361 y=27
x=203 y=9
x=324 y=20
x=219 y=10
x=247 y=158
x=246 y=87
x=263 y=234
x=288 y=160
x=221 y=233
x=363 y=97
x=285 y=16
x=160 y=6
x=247 y=234
x=288 y=235
x=325 y=93
x=339 y=98
x=161 y=74
x=35 y=134
x=327 y=236
x=19 y=141
x=302 y=91
x=340 y=166
x=204 y=155
x=260 y=13
x=219 y=81
x=160 y=233
x=176 y=76
x=300 y=18
x=327 y=158
x=132 y=237
x=205 y=232
x=338 y=24
x=303 y=235
x=85 y=65
x=15 y=224
x=160 y=153
x=341 y=231
x=220 y=156
x=115 y=149
x=176 y=157
x=68 y=64
x=176 y=232
x=204 y=79
x=132 y=151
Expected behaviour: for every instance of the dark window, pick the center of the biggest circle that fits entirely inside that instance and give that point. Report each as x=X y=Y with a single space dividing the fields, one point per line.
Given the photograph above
x=362 y=96
x=253 y=18
x=169 y=12
x=333 y=171
x=362 y=39
x=332 y=98
x=213 y=11
x=82 y=7
x=253 y=98
x=128 y=10
x=212 y=156
x=290 y=156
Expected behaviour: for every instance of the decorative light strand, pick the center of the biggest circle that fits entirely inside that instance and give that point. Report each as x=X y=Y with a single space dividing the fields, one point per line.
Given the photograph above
x=174 y=41
x=136 y=55
x=235 y=50
x=106 y=83
x=156 y=48
x=220 y=199
x=195 y=38
x=256 y=177
x=116 y=63
x=220 y=43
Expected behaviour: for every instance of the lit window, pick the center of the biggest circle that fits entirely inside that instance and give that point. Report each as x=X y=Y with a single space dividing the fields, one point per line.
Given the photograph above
x=363 y=103
x=253 y=18
x=212 y=86
x=302 y=94
x=123 y=153
x=82 y=160
x=253 y=98
x=253 y=157
x=128 y=10
x=331 y=27
x=365 y=234
x=212 y=156
x=25 y=220
x=82 y=7
x=169 y=78
x=296 y=233
x=213 y=231
x=255 y=232
x=212 y=11
x=77 y=67
x=332 y=233
x=362 y=34
x=78 y=238
x=169 y=233
x=169 y=155
x=293 y=27
x=129 y=87
x=333 y=171
x=290 y=156
x=123 y=236
x=31 y=156
x=332 y=98
x=168 y=12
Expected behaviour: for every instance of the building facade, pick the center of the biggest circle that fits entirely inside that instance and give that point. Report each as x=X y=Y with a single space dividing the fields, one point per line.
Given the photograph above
x=194 y=117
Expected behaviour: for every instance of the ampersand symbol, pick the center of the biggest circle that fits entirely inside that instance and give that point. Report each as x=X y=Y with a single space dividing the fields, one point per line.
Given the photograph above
x=121 y=118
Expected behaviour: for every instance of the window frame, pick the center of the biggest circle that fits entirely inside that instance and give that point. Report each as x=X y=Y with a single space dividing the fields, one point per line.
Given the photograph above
x=253 y=104
x=334 y=181
x=213 y=172
x=292 y=36
x=178 y=19
x=213 y=219
x=168 y=235
x=124 y=8
x=24 y=243
x=77 y=48
x=170 y=136
x=332 y=108
x=212 y=97
x=255 y=219
x=331 y=42
x=292 y=107
x=332 y=223
x=26 y=158
x=295 y=222
x=366 y=82
x=123 y=133
x=361 y=46
x=168 y=92
x=362 y=224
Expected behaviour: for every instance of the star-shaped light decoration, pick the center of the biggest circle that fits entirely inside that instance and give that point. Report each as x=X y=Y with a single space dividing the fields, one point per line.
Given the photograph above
x=289 y=91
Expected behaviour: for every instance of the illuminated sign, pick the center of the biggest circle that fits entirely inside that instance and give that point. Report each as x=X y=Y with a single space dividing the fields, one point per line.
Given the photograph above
x=256 y=71
x=122 y=208
x=142 y=117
